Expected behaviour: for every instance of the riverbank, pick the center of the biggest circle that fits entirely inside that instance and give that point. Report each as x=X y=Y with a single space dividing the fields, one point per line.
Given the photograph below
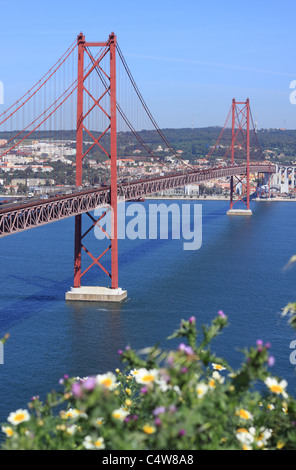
x=218 y=198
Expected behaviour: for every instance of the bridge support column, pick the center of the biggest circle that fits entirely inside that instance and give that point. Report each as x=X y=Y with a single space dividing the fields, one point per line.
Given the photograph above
x=97 y=293
x=240 y=140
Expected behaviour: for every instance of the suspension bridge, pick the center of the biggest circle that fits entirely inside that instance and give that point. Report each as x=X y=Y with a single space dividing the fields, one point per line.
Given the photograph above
x=91 y=89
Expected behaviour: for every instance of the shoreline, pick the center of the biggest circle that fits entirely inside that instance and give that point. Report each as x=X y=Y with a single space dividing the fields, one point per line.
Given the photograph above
x=216 y=198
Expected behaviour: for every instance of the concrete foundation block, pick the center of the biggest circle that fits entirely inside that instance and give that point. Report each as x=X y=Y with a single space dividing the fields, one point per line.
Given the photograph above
x=96 y=294
x=239 y=212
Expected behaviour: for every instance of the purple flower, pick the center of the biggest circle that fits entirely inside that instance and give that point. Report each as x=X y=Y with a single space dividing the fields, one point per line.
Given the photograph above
x=268 y=345
x=184 y=370
x=172 y=409
x=189 y=350
x=221 y=314
x=157 y=422
x=259 y=342
x=35 y=398
x=182 y=432
x=89 y=384
x=271 y=361
x=159 y=410
x=119 y=351
x=192 y=320
x=144 y=390
x=77 y=390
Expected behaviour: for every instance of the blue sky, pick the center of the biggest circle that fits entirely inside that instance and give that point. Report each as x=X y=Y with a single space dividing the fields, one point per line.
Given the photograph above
x=189 y=58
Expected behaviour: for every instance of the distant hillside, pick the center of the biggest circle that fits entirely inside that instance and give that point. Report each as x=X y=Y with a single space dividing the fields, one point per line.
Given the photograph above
x=194 y=143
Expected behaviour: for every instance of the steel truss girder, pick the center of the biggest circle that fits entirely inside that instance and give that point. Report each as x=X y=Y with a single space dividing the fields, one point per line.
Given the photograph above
x=27 y=216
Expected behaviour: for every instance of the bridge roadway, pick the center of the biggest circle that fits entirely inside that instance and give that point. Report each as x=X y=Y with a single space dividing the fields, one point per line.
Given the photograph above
x=19 y=217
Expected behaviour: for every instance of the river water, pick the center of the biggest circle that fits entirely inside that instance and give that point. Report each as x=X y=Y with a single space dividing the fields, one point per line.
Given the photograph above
x=238 y=269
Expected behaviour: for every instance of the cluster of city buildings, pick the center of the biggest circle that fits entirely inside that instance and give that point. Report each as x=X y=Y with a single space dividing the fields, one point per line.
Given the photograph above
x=36 y=156
x=41 y=156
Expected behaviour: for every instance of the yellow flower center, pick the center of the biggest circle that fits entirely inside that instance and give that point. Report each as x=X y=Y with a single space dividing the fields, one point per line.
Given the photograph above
x=244 y=414
x=8 y=432
x=280 y=445
x=19 y=417
x=107 y=382
x=98 y=443
x=276 y=389
x=241 y=430
x=148 y=378
x=148 y=429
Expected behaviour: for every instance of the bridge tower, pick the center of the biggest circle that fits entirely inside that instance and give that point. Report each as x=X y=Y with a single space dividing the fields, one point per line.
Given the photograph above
x=240 y=143
x=96 y=293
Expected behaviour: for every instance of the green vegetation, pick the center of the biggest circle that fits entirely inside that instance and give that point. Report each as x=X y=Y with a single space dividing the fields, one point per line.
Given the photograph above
x=186 y=398
x=194 y=143
x=277 y=146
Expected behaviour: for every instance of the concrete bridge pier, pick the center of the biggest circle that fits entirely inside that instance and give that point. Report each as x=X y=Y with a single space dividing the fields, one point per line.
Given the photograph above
x=245 y=212
x=96 y=294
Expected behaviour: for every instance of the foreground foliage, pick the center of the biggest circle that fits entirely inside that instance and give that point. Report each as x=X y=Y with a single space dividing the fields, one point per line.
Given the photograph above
x=184 y=399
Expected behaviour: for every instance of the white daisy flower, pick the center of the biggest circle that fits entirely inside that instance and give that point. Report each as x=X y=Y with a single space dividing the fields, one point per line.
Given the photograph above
x=245 y=436
x=71 y=430
x=134 y=372
x=277 y=387
x=217 y=366
x=89 y=443
x=99 y=421
x=120 y=414
x=201 y=389
x=264 y=435
x=18 y=417
x=99 y=443
x=146 y=377
x=218 y=377
x=108 y=380
x=244 y=414
x=72 y=413
x=8 y=431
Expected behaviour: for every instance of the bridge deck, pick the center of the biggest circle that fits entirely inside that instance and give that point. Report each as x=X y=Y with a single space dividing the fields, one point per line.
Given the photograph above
x=19 y=217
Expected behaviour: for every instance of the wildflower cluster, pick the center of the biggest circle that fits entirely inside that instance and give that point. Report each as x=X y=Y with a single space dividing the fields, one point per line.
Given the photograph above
x=186 y=398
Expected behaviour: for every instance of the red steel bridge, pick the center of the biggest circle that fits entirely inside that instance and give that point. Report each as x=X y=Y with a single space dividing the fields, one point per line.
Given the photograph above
x=91 y=99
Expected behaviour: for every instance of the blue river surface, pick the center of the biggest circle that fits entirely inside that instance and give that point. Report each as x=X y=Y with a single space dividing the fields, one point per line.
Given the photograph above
x=239 y=269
